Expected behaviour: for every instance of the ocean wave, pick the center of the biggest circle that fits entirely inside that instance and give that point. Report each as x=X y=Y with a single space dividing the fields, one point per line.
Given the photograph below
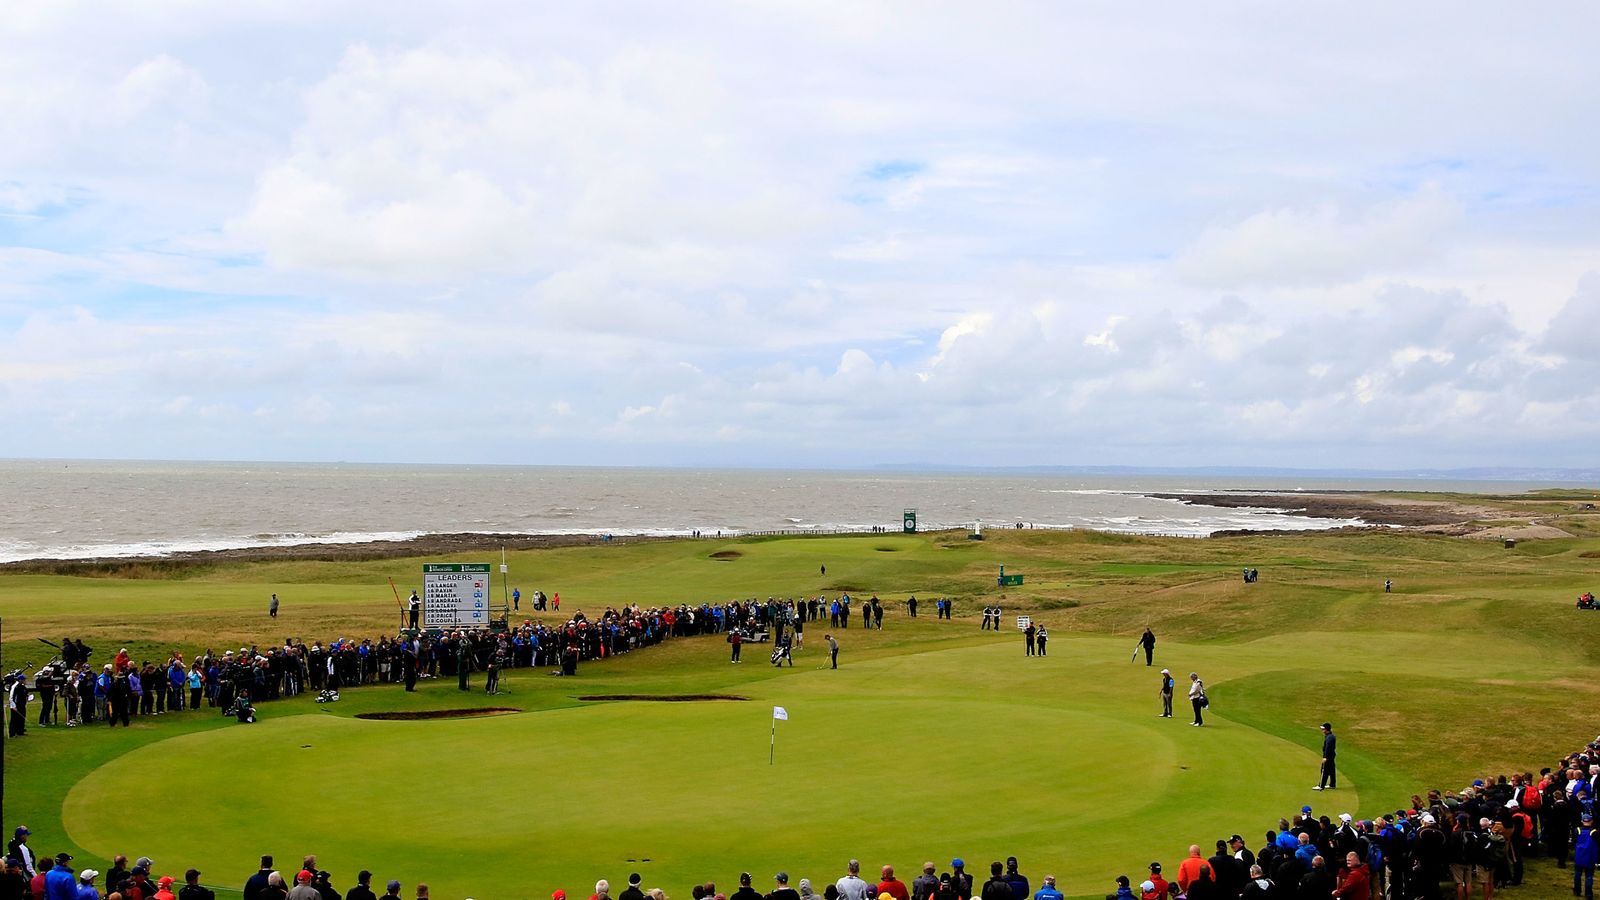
x=14 y=552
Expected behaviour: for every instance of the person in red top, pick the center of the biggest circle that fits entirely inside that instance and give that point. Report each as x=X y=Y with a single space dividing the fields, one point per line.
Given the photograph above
x=1355 y=880
x=1162 y=886
x=36 y=883
x=893 y=886
x=1189 y=871
x=164 y=888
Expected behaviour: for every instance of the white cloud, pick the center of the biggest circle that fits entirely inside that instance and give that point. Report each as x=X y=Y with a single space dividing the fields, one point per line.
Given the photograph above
x=158 y=81
x=734 y=234
x=1321 y=245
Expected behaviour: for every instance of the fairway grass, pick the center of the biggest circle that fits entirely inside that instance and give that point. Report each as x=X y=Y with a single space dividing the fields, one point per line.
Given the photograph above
x=934 y=739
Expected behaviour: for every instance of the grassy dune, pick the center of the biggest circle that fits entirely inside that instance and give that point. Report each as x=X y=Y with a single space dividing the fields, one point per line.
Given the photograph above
x=933 y=740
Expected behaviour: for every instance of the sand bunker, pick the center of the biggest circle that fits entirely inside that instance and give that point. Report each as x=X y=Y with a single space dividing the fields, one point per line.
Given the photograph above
x=438 y=714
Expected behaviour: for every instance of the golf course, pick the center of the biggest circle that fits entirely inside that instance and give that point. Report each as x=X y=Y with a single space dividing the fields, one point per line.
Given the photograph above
x=933 y=739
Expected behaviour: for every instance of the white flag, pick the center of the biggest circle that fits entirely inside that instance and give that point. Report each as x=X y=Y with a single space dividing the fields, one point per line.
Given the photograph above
x=780 y=714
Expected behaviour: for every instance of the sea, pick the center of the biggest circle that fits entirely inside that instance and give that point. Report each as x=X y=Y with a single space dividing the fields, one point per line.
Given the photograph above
x=78 y=509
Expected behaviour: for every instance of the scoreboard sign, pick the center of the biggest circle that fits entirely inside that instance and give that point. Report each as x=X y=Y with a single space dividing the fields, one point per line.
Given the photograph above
x=455 y=595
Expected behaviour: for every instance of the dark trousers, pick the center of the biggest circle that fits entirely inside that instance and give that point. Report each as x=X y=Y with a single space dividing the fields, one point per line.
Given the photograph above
x=1031 y=644
x=1042 y=642
x=1149 y=655
x=833 y=656
x=1583 y=877
x=1198 y=718
x=194 y=698
x=1329 y=778
x=735 y=657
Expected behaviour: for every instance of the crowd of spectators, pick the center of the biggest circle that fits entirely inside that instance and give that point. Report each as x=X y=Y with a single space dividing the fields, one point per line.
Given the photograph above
x=73 y=691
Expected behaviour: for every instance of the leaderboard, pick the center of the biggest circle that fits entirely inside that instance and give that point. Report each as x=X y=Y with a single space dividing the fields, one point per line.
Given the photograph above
x=455 y=595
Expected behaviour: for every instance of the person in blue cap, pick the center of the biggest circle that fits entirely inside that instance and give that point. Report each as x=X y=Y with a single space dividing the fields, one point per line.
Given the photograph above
x=19 y=850
x=958 y=874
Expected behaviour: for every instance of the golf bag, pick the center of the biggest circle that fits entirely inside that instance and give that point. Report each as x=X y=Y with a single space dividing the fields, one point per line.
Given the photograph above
x=328 y=696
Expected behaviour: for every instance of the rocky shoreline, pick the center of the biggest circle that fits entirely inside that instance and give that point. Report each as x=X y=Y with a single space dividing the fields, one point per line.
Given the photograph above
x=1373 y=510
x=426 y=545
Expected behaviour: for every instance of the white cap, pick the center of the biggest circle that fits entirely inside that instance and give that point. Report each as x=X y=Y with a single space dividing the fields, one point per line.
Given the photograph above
x=88 y=875
x=1344 y=817
x=1147 y=885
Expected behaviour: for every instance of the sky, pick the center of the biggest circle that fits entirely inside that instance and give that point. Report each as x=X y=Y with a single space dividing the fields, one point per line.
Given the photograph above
x=777 y=233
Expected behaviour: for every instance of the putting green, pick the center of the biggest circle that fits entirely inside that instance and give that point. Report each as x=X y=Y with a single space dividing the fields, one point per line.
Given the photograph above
x=968 y=751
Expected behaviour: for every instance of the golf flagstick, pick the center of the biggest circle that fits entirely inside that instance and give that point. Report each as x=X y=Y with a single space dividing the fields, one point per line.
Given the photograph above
x=778 y=713
x=1135 y=653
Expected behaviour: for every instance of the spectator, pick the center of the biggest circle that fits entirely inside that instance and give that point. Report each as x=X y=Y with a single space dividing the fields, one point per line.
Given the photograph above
x=275 y=889
x=851 y=886
x=1160 y=885
x=996 y=887
x=1259 y=887
x=894 y=887
x=1020 y=889
x=302 y=889
x=192 y=889
x=1355 y=879
x=1189 y=871
x=363 y=888
x=783 y=891
x=86 y=888
x=60 y=883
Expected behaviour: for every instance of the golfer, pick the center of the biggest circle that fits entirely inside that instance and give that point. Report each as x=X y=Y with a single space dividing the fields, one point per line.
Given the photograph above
x=272 y=606
x=1330 y=779
x=1197 y=698
x=1166 y=693
x=833 y=650
x=1148 y=642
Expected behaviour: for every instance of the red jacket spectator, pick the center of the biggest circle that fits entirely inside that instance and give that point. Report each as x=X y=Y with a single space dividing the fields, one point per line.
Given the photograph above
x=1189 y=872
x=1355 y=882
